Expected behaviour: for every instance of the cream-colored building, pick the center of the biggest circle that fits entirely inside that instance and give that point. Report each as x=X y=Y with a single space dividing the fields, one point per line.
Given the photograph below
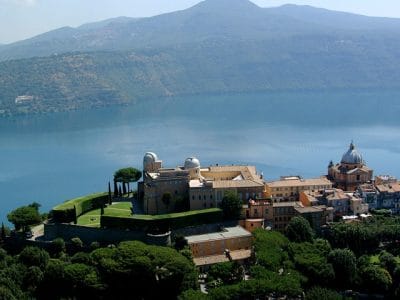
x=209 y=188
x=357 y=206
x=288 y=188
x=164 y=189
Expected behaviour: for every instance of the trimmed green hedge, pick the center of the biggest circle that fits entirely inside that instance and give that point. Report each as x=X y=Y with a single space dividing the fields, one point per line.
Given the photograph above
x=71 y=209
x=162 y=223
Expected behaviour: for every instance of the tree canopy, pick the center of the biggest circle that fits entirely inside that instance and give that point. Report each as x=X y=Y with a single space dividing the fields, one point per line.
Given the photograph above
x=345 y=265
x=25 y=216
x=127 y=175
x=299 y=230
x=231 y=205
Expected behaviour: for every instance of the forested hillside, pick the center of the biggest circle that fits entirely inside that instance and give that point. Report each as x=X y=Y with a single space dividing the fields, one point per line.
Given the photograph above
x=217 y=46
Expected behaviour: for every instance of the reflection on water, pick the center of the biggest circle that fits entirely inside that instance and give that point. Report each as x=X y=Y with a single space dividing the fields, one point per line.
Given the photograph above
x=50 y=158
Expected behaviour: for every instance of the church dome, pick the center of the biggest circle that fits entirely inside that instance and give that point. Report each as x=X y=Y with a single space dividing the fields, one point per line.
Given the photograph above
x=191 y=163
x=352 y=156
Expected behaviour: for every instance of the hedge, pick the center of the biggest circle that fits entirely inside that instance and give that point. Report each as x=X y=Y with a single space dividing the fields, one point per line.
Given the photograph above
x=162 y=223
x=71 y=209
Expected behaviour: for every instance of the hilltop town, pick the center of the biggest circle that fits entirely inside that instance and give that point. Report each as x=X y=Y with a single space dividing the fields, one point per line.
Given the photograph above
x=187 y=200
x=225 y=214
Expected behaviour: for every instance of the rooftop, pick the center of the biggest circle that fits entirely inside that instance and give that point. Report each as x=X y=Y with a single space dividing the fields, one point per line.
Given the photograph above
x=228 y=177
x=367 y=188
x=228 y=232
x=284 y=204
x=214 y=259
x=388 y=188
x=311 y=209
x=295 y=181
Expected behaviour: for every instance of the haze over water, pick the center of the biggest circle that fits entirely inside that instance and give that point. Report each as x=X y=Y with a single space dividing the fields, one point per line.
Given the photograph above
x=51 y=158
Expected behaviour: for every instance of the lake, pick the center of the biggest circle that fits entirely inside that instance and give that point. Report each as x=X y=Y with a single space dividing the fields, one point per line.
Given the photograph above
x=51 y=158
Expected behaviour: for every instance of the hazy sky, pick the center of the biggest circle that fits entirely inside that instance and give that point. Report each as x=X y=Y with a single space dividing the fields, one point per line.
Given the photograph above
x=20 y=19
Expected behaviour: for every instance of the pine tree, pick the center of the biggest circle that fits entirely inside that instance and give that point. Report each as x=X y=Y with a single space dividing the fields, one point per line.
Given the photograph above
x=123 y=188
x=119 y=191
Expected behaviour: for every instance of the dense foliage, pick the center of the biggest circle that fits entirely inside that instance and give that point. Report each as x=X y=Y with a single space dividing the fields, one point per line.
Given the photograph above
x=282 y=266
x=131 y=268
x=304 y=263
x=231 y=205
x=299 y=230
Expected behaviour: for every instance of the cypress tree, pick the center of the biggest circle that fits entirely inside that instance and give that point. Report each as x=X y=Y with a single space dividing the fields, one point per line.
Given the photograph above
x=109 y=193
x=3 y=232
x=75 y=216
x=115 y=189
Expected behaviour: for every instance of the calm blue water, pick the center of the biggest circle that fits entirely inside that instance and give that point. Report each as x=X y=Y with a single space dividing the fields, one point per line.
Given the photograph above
x=51 y=158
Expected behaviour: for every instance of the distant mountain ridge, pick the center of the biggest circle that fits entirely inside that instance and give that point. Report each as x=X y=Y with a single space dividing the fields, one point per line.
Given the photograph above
x=216 y=46
x=236 y=19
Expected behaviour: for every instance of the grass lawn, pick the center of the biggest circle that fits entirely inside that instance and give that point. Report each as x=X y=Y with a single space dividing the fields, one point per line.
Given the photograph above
x=92 y=218
x=166 y=216
x=119 y=209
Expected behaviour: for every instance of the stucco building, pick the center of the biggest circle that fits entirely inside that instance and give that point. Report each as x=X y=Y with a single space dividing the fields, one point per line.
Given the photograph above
x=388 y=196
x=288 y=188
x=263 y=213
x=208 y=189
x=367 y=192
x=342 y=203
x=351 y=171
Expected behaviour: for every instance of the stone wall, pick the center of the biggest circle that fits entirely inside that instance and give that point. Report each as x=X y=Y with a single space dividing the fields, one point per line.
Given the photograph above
x=89 y=235
x=101 y=235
